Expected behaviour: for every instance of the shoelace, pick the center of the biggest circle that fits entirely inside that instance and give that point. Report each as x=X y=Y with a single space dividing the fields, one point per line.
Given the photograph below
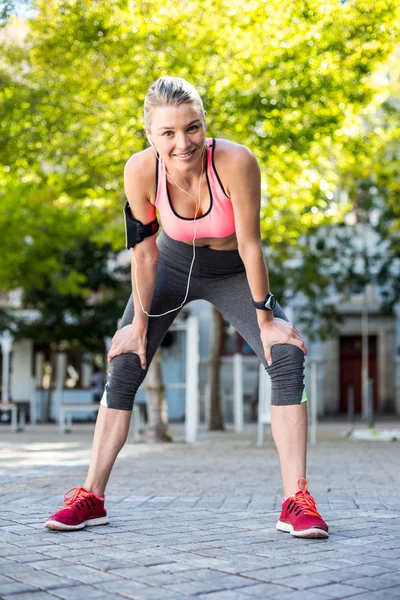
x=306 y=501
x=77 y=496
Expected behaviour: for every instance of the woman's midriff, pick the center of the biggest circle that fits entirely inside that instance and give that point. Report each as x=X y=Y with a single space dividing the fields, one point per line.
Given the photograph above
x=226 y=243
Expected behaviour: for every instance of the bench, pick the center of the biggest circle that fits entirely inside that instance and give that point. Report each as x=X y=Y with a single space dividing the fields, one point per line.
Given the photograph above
x=65 y=414
x=13 y=407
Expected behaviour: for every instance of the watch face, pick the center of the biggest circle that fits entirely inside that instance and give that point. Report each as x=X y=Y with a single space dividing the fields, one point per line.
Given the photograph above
x=270 y=303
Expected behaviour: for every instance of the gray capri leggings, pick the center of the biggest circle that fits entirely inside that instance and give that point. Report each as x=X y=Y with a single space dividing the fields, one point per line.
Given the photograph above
x=218 y=276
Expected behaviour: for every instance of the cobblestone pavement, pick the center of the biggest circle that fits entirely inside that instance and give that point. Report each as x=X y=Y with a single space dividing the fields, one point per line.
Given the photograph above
x=199 y=521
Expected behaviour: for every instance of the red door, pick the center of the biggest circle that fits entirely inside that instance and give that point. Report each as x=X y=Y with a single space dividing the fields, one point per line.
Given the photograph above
x=350 y=370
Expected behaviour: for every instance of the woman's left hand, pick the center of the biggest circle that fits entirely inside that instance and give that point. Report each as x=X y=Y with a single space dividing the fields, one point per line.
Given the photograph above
x=279 y=331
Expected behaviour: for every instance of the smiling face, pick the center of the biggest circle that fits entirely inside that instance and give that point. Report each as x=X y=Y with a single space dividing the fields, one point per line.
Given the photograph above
x=178 y=134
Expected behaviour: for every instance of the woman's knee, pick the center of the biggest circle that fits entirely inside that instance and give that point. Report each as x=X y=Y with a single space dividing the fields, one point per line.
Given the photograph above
x=287 y=375
x=124 y=376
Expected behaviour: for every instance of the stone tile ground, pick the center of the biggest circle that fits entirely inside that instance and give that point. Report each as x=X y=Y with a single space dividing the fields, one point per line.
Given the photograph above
x=199 y=521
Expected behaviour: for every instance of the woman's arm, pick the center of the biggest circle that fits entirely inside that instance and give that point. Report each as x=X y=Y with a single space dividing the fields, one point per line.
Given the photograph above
x=145 y=254
x=133 y=338
x=245 y=191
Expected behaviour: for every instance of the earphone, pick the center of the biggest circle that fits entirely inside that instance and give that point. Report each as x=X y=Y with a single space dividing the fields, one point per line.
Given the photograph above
x=194 y=234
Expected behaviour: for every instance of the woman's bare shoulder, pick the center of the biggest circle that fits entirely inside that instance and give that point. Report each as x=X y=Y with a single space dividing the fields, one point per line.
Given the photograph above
x=231 y=150
x=140 y=173
x=141 y=164
x=231 y=160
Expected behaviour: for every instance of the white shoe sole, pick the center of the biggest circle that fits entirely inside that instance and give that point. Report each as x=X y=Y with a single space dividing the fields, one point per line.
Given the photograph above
x=89 y=523
x=313 y=532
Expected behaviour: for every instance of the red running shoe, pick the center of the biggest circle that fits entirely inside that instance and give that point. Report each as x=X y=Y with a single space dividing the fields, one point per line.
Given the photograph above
x=81 y=509
x=300 y=517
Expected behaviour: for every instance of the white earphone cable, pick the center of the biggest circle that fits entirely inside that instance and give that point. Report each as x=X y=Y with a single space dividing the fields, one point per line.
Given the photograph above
x=197 y=203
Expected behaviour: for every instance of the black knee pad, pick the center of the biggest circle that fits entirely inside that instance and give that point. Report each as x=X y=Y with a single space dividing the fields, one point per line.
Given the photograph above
x=124 y=376
x=287 y=375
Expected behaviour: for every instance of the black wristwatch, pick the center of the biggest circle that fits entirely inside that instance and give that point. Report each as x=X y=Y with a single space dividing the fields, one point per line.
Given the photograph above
x=267 y=304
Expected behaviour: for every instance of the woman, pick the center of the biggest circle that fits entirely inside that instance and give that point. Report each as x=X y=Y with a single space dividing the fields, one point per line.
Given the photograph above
x=207 y=193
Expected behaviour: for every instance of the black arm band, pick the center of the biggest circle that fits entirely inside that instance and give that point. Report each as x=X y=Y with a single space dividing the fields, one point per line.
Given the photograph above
x=135 y=231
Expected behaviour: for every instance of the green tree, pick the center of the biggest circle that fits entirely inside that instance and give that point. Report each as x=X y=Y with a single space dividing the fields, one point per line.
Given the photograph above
x=70 y=320
x=293 y=81
x=84 y=319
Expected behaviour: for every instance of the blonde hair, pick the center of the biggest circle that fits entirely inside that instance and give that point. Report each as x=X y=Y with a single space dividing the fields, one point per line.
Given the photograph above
x=172 y=91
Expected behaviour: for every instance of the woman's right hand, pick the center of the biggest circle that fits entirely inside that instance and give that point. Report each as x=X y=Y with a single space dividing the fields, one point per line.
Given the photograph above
x=129 y=340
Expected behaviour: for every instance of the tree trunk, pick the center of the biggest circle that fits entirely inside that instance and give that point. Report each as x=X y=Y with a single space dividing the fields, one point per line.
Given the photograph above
x=48 y=397
x=216 y=420
x=157 y=410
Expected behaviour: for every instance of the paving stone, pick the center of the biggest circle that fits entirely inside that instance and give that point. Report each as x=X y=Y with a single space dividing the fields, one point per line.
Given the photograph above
x=37 y=595
x=339 y=590
x=43 y=580
x=211 y=501
x=334 y=563
x=224 y=595
x=299 y=582
x=301 y=595
x=158 y=594
x=83 y=592
x=175 y=567
x=230 y=581
x=82 y=573
x=338 y=575
x=124 y=587
x=369 y=570
x=15 y=587
x=286 y=571
x=132 y=572
x=49 y=563
x=31 y=556
x=392 y=576
x=9 y=550
x=195 y=587
x=155 y=580
x=13 y=569
x=393 y=565
x=263 y=590
x=137 y=499
x=394 y=590
x=373 y=583
x=379 y=595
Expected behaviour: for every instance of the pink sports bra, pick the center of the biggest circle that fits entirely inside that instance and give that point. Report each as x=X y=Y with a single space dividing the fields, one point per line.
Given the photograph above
x=217 y=222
